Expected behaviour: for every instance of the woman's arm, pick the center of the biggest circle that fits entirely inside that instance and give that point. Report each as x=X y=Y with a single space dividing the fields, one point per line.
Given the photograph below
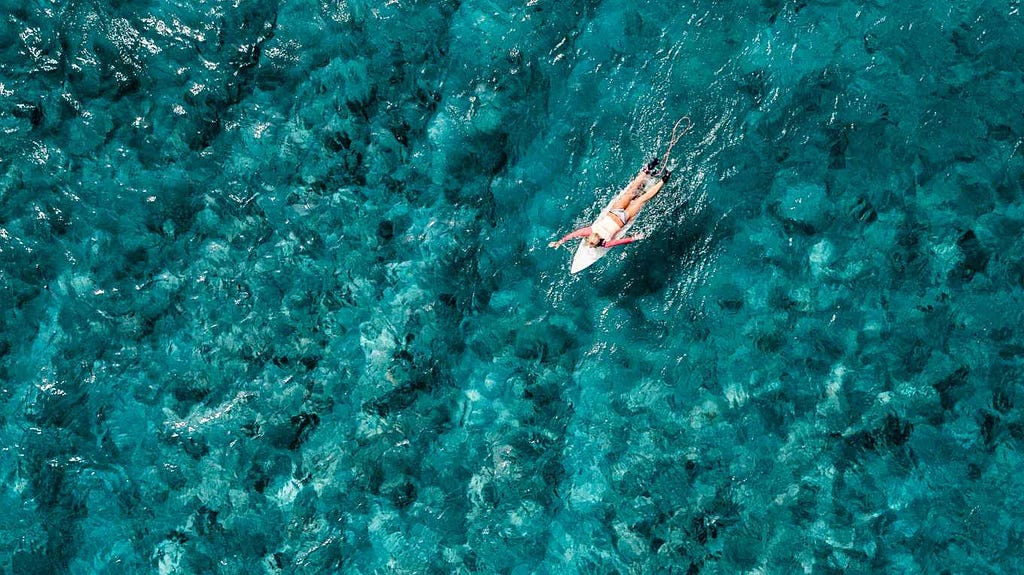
x=622 y=241
x=580 y=233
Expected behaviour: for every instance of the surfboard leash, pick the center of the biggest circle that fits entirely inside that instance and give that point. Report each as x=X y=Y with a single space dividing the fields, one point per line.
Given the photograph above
x=675 y=138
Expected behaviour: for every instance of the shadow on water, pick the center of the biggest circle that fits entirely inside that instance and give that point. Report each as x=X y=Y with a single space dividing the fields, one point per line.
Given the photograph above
x=667 y=252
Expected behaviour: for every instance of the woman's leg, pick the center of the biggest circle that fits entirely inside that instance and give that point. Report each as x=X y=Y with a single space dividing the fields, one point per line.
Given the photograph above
x=633 y=208
x=627 y=193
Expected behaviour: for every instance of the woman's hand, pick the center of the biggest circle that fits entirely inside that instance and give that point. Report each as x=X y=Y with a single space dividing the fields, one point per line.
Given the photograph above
x=554 y=244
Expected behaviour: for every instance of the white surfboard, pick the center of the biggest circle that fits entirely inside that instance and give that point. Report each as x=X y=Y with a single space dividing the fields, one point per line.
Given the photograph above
x=586 y=255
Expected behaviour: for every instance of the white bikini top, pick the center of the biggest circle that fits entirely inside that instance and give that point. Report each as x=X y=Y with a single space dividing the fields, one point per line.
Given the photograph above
x=606 y=227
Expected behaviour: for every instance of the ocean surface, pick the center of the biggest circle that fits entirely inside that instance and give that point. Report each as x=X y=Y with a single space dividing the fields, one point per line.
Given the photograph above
x=276 y=295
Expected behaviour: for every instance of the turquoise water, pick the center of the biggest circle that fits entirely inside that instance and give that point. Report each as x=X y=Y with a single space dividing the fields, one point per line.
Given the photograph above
x=277 y=296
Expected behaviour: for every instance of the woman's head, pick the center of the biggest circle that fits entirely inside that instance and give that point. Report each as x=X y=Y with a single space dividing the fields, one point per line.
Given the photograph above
x=594 y=240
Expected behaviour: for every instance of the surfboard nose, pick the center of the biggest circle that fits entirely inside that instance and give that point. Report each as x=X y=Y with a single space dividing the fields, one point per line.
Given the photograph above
x=585 y=257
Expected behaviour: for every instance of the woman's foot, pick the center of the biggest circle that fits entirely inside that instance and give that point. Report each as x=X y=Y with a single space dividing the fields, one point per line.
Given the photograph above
x=649 y=168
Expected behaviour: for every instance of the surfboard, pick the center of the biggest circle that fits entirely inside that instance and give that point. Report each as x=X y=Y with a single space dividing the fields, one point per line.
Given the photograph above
x=586 y=255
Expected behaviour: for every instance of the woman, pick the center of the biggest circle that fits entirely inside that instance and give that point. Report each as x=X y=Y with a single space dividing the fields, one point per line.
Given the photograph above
x=629 y=202
x=625 y=207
